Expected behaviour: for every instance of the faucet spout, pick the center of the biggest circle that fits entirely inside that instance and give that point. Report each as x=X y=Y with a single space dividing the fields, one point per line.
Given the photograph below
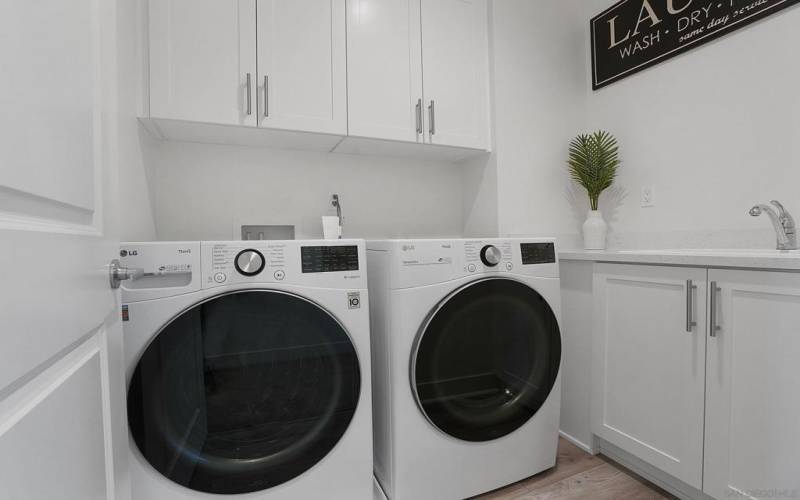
x=782 y=222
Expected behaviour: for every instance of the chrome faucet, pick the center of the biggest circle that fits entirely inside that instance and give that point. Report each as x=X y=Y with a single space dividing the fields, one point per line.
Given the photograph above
x=783 y=223
x=338 y=205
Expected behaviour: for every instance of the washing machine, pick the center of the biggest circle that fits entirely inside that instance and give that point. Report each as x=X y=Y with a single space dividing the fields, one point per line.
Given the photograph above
x=248 y=367
x=466 y=356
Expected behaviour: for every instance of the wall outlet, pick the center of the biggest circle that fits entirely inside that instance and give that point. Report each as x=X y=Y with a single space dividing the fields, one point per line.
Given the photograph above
x=648 y=196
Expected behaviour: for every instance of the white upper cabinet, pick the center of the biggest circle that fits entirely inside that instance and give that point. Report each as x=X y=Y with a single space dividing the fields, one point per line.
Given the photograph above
x=201 y=53
x=455 y=72
x=384 y=68
x=752 y=429
x=302 y=65
x=418 y=71
x=649 y=365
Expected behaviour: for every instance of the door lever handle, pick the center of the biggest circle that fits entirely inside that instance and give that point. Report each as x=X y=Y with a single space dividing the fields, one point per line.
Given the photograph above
x=117 y=273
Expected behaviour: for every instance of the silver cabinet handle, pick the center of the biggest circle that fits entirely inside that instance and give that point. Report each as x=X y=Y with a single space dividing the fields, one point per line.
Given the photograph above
x=266 y=96
x=117 y=273
x=419 y=116
x=249 y=85
x=713 y=326
x=690 y=322
x=432 y=117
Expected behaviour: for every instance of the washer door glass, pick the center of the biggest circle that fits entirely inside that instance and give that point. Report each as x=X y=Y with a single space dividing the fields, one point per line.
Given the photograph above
x=243 y=392
x=487 y=360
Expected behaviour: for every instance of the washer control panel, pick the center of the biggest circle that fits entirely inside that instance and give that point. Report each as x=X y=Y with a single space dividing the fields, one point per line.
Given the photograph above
x=322 y=263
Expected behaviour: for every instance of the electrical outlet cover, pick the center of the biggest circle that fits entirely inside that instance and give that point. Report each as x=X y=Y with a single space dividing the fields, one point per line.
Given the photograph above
x=648 y=198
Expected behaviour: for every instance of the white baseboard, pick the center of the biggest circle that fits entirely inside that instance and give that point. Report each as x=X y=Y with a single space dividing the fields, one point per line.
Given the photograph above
x=652 y=474
x=580 y=444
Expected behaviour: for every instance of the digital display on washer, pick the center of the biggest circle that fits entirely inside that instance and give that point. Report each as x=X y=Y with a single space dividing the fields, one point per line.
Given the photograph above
x=329 y=259
x=538 y=253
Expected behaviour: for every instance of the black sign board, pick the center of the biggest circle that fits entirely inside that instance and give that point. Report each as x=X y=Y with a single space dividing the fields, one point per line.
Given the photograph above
x=635 y=34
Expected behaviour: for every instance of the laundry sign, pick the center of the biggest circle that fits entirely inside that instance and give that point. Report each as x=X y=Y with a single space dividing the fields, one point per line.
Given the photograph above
x=635 y=34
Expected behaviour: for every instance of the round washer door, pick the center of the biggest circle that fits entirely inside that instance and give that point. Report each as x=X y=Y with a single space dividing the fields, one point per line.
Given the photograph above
x=486 y=360
x=243 y=392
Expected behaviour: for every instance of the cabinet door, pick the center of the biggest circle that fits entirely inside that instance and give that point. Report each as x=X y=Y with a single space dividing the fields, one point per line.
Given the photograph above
x=201 y=52
x=455 y=72
x=752 y=426
x=648 y=369
x=302 y=65
x=384 y=69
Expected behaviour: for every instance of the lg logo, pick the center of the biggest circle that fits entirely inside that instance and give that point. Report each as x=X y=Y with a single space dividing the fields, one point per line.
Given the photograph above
x=126 y=253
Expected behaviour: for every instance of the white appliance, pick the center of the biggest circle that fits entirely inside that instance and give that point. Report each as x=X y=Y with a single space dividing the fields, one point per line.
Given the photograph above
x=466 y=352
x=248 y=369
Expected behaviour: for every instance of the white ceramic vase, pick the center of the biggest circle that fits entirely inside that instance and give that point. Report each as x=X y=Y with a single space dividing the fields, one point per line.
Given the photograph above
x=595 y=230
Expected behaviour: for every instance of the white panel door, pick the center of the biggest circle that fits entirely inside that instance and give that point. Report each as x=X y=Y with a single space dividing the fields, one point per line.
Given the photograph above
x=752 y=424
x=201 y=53
x=455 y=68
x=61 y=379
x=648 y=365
x=302 y=65
x=384 y=69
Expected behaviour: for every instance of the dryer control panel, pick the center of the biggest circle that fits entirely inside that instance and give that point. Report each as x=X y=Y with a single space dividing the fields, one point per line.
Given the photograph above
x=420 y=262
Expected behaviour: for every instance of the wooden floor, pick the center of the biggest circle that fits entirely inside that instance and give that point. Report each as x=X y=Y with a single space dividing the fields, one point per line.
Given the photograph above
x=580 y=475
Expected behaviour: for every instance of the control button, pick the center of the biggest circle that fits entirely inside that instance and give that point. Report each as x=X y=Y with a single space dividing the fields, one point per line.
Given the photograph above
x=279 y=275
x=249 y=262
x=472 y=268
x=491 y=255
x=509 y=266
x=220 y=277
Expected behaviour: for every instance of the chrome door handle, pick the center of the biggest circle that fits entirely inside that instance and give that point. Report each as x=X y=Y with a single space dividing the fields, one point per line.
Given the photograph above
x=690 y=322
x=266 y=96
x=432 y=117
x=419 y=117
x=117 y=273
x=714 y=328
x=249 y=85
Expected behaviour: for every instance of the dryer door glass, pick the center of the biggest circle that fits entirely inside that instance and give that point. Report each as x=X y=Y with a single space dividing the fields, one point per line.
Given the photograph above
x=486 y=360
x=243 y=392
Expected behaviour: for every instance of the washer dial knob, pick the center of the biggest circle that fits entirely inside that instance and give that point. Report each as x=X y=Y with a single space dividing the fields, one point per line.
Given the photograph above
x=249 y=262
x=491 y=255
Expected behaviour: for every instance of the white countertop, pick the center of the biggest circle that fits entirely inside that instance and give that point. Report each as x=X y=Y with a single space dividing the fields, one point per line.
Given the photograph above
x=729 y=258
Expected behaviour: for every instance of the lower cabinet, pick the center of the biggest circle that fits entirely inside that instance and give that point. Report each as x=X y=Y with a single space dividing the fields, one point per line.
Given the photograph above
x=649 y=365
x=697 y=373
x=753 y=386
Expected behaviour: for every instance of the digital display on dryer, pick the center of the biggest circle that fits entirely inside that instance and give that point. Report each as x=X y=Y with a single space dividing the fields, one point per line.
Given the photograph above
x=538 y=253
x=329 y=259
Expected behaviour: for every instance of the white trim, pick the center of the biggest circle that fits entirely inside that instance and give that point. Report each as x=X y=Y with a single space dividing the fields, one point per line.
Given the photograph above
x=580 y=444
x=656 y=476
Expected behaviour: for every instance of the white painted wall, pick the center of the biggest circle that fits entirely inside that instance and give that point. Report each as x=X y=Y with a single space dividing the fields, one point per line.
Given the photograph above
x=136 y=146
x=715 y=130
x=539 y=98
x=209 y=191
x=576 y=369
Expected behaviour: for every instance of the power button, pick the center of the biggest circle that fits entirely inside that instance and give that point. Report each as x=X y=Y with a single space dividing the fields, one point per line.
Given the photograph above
x=220 y=277
x=472 y=268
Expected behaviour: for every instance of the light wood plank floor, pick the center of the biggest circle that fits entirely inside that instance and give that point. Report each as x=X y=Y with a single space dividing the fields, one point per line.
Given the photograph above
x=578 y=475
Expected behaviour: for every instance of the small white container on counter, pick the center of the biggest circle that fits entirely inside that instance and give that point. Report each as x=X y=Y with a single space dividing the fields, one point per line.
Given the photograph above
x=331 y=230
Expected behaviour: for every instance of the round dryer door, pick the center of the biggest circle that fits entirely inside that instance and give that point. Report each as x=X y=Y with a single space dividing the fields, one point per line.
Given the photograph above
x=486 y=360
x=243 y=392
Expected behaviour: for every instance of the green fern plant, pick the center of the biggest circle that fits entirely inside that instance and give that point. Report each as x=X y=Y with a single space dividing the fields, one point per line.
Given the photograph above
x=593 y=163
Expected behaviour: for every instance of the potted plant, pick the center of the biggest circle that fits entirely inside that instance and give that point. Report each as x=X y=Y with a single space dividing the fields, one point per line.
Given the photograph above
x=593 y=163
